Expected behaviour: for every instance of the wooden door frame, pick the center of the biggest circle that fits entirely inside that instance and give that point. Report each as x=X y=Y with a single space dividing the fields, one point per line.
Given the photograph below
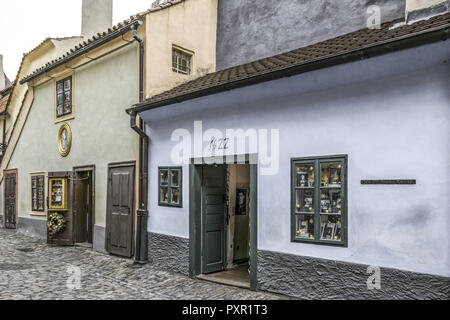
x=85 y=169
x=195 y=219
x=133 y=213
x=5 y=172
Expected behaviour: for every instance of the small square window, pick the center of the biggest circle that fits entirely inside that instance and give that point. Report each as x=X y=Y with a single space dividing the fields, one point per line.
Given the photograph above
x=170 y=187
x=181 y=61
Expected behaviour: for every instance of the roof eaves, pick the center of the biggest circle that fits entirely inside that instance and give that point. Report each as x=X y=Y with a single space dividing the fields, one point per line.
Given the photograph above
x=372 y=49
x=84 y=47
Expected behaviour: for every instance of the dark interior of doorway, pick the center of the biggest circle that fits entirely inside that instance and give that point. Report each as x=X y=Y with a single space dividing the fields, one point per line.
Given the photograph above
x=236 y=269
x=83 y=207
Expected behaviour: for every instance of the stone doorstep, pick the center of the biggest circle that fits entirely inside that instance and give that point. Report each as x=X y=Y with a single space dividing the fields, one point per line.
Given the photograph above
x=228 y=282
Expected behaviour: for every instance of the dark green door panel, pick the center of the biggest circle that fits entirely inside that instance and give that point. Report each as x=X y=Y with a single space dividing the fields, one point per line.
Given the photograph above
x=214 y=218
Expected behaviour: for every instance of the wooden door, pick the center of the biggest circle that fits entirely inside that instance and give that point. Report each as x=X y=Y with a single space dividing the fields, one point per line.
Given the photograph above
x=82 y=209
x=214 y=218
x=120 y=210
x=10 y=197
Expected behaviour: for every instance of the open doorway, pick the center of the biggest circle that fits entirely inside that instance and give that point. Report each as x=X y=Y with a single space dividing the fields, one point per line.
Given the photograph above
x=226 y=224
x=83 y=206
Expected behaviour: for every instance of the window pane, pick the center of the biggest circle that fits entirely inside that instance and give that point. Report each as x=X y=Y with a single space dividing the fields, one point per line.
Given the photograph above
x=67 y=107
x=331 y=228
x=181 y=62
x=164 y=177
x=164 y=194
x=305 y=226
x=175 y=178
x=67 y=96
x=67 y=84
x=60 y=99
x=331 y=174
x=59 y=87
x=330 y=201
x=59 y=110
x=175 y=196
x=304 y=175
x=304 y=201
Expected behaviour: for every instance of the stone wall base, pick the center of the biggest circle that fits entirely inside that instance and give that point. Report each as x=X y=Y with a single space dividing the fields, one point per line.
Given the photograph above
x=34 y=227
x=169 y=252
x=99 y=241
x=313 y=278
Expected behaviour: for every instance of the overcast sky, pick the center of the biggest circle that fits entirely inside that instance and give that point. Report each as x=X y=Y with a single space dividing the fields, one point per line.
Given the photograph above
x=26 y=23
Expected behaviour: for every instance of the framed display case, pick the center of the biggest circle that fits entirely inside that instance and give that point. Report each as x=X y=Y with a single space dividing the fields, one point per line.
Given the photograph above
x=57 y=194
x=318 y=197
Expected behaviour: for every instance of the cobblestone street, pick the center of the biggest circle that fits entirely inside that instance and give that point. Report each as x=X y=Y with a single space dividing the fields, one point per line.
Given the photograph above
x=31 y=270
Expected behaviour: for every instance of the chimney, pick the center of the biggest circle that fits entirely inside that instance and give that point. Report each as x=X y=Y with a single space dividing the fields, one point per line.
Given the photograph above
x=97 y=17
x=424 y=9
x=2 y=75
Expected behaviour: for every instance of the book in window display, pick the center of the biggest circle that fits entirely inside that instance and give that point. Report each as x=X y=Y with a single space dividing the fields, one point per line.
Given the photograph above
x=335 y=177
x=325 y=180
x=338 y=232
x=305 y=227
x=328 y=231
x=305 y=201
x=336 y=204
x=305 y=176
x=309 y=198
x=325 y=205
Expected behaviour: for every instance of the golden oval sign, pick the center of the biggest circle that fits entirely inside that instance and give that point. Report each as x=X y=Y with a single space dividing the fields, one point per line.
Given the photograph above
x=64 y=140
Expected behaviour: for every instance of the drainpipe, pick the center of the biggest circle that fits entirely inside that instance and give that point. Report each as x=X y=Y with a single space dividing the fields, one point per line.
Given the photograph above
x=141 y=241
x=4 y=133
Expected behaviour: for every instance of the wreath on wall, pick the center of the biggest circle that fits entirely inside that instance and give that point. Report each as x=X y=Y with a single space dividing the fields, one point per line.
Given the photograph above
x=56 y=224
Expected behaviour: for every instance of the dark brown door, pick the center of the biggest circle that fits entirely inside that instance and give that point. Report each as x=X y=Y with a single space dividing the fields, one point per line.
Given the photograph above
x=10 y=209
x=120 y=210
x=82 y=207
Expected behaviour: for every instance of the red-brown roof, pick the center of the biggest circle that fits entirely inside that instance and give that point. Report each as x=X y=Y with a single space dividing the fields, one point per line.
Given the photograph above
x=3 y=103
x=297 y=61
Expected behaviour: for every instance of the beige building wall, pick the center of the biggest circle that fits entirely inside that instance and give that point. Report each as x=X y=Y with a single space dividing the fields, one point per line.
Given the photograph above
x=101 y=131
x=48 y=50
x=190 y=25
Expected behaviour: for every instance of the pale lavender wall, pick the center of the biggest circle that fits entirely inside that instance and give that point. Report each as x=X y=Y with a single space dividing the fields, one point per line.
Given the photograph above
x=390 y=114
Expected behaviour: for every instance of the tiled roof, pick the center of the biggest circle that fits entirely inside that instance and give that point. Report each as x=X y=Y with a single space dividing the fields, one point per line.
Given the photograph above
x=102 y=35
x=290 y=62
x=3 y=103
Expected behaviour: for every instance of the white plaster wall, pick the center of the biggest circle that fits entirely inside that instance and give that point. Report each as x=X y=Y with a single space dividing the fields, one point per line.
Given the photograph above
x=390 y=114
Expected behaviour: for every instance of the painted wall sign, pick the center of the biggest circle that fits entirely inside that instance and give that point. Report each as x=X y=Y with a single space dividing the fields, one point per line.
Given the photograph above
x=394 y=181
x=218 y=144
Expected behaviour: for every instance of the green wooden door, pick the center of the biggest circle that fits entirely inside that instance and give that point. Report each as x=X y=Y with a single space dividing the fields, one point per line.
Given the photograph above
x=214 y=218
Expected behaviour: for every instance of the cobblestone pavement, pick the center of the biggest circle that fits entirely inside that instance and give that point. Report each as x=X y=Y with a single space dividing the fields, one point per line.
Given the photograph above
x=31 y=270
